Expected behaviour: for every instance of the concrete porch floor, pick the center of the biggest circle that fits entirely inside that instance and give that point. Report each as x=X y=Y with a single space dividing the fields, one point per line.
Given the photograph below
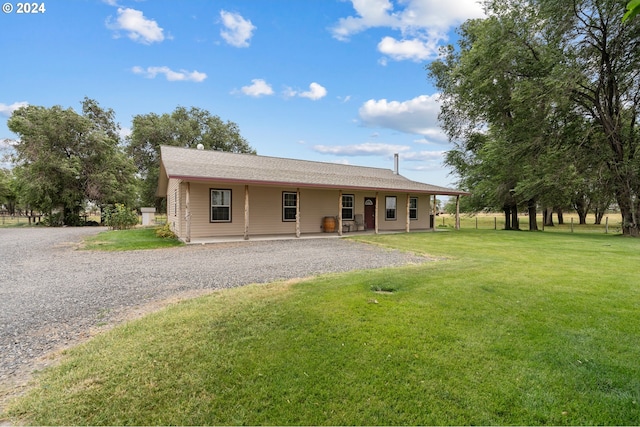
x=263 y=237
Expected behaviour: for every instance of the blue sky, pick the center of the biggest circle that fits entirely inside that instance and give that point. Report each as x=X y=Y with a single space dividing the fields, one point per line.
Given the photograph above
x=327 y=80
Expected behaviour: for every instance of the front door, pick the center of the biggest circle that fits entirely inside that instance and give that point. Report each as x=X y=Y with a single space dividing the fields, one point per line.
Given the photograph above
x=370 y=213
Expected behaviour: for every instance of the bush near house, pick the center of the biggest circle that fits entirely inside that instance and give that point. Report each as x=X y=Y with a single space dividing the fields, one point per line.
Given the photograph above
x=119 y=217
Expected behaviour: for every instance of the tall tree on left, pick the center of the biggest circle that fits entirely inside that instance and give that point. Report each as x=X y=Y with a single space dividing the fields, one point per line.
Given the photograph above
x=64 y=159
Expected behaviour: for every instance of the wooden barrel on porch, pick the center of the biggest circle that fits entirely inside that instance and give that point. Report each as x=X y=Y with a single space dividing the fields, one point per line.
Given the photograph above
x=329 y=224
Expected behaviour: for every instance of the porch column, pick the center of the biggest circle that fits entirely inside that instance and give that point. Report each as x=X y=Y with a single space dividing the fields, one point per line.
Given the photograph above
x=246 y=212
x=188 y=212
x=376 y=215
x=408 y=227
x=297 y=212
x=434 y=213
x=458 y=212
x=340 y=213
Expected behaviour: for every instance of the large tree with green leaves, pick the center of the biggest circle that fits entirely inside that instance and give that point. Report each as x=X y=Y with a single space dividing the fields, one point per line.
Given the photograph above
x=8 y=196
x=546 y=80
x=64 y=159
x=182 y=128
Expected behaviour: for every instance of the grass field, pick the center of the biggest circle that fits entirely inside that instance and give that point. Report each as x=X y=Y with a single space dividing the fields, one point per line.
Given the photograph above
x=504 y=328
x=126 y=240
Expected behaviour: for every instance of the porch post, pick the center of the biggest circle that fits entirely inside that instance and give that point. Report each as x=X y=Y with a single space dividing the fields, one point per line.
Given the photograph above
x=376 y=214
x=458 y=212
x=297 y=212
x=188 y=212
x=408 y=226
x=246 y=212
x=434 y=213
x=340 y=213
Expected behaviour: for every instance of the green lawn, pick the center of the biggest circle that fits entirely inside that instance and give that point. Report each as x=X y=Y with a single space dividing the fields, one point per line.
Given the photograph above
x=510 y=328
x=126 y=240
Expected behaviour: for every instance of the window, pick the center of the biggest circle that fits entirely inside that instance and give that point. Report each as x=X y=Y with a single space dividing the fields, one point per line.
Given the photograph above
x=390 y=207
x=347 y=206
x=220 y=205
x=413 y=207
x=289 y=206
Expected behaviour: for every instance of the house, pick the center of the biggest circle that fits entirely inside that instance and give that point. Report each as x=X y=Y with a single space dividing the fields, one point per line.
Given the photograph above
x=213 y=193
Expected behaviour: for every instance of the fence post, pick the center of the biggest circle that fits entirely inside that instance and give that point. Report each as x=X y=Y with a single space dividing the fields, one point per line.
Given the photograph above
x=606 y=225
x=495 y=223
x=476 y=222
x=572 y=224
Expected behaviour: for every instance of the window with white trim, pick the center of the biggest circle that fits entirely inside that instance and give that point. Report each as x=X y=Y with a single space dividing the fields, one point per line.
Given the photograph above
x=289 y=206
x=390 y=204
x=413 y=207
x=220 y=205
x=347 y=206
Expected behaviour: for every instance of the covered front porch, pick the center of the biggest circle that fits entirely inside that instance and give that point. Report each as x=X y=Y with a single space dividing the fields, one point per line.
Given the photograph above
x=263 y=211
x=268 y=237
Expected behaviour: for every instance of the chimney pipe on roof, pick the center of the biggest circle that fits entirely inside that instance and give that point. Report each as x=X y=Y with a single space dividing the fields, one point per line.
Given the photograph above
x=396 y=163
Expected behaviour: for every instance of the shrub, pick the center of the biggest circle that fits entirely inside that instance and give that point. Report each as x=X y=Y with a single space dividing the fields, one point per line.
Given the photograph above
x=53 y=220
x=120 y=217
x=165 y=232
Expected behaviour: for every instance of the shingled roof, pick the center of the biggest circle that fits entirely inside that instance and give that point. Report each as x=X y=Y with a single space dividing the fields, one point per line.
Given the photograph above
x=208 y=165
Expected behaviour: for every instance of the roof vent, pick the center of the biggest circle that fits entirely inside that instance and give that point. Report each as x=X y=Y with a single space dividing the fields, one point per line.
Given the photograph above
x=396 y=163
x=200 y=147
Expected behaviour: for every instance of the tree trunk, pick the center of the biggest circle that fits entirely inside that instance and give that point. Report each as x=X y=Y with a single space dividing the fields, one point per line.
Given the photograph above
x=548 y=217
x=599 y=215
x=515 y=225
x=533 y=223
x=507 y=217
x=560 y=216
x=629 y=209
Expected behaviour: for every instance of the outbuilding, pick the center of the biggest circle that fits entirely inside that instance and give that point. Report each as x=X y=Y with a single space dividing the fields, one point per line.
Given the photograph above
x=220 y=194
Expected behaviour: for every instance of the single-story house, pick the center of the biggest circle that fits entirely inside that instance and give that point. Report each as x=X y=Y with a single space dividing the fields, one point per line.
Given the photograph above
x=213 y=193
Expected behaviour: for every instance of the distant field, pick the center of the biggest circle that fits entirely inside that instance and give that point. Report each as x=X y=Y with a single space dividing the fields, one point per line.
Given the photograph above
x=491 y=221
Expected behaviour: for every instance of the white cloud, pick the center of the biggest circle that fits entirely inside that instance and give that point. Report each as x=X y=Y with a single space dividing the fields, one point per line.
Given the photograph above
x=415 y=49
x=7 y=143
x=415 y=116
x=422 y=24
x=172 y=76
x=124 y=132
x=423 y=156
x=258 y=88
x=315 y=92
x=7 y=110
x=238 y=31
x=139 y=28
x=365 y=149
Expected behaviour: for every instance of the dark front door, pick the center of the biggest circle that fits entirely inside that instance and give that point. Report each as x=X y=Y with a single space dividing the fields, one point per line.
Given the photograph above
x=370 y=213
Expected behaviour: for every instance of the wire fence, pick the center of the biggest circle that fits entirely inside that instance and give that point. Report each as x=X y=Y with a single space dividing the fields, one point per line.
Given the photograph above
x=610 y=224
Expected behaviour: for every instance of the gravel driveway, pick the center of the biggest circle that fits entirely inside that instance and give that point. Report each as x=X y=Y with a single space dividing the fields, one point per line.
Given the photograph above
x=53 y=295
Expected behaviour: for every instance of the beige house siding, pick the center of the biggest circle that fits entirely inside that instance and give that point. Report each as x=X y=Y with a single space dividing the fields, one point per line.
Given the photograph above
x=266 y=210
x=174 y=212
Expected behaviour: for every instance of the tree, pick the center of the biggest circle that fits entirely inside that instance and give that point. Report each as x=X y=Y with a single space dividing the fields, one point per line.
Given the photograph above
x=495 y=85
x=8 y=195
x=64 y=159
x=181 y=128
x=633 y=8
x=528 y=75
x=601 y=73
